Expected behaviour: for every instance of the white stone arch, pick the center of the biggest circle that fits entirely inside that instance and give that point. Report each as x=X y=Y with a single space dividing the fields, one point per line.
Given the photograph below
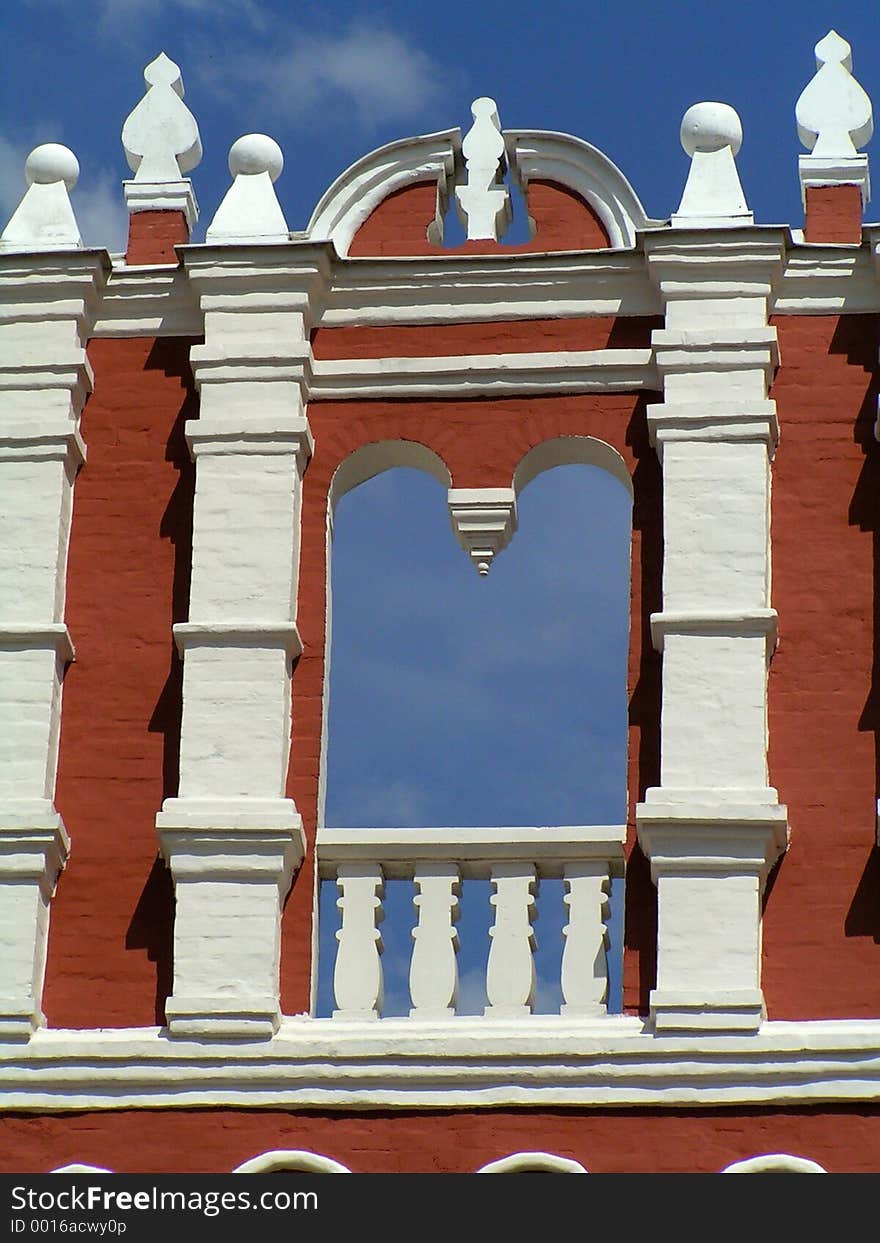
x=543 y=155
x=294 y=1159
x=381 y=455
x=76 y=1167
x=533 y=1163
x=357 y=192
x=570 y=451
x=775 y=1163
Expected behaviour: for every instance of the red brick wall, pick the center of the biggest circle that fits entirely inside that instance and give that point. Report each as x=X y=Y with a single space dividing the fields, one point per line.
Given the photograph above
x=152 y=236
x=844 y=1140
x=834 y=214
x=109 y=956
x=398 y=226
x=822 y=923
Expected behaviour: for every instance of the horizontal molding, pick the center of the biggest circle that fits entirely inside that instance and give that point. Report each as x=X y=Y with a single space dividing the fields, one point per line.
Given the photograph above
x=255 y=434
x=57 y=439
x=732 y=623
x=21 y=635
x=154 y=301
x=238 y=634
x=461 y=1063
x=399 y=851
x=484 y=375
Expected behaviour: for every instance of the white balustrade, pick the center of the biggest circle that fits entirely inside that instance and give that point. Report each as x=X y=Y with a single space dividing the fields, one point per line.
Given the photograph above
x=436 y=862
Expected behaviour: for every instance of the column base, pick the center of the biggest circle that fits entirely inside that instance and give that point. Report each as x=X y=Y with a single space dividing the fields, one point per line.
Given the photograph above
x=219 y=1018
x=738 y=1011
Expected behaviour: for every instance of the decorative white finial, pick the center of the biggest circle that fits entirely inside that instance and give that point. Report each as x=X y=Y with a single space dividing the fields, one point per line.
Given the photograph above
x=161 y=142
x=711 y=134
x=484 y=203
x=44 y=218
x=250 y=212
x=484 y=520
x=834 y=117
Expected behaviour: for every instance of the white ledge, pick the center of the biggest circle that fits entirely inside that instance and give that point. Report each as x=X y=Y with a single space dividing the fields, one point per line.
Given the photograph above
x=480 y=374
x=15 y=635
x=466 y=1062
x=475 y=849
x=722 y=622
x=238 y=634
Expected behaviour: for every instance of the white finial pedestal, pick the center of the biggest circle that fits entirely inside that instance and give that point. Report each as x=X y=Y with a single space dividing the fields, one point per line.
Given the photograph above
x=484 y=520
x=250 y=211
x=161 y=142
x=713 y=197
x=44 y=218
x=484 y=203
x=834 y=117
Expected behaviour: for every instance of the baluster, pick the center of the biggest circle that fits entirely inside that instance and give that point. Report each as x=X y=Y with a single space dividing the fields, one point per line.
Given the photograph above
x=433 y=975
x=357 y=979
x=510 y=975
x=584 y=957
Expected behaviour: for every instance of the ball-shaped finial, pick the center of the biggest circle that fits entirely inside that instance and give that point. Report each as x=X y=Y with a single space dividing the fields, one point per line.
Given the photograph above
x=711 y=126
x=51 y=162
x=256 y=153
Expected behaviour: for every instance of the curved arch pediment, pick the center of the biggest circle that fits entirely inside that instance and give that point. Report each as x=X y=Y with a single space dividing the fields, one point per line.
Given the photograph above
x=545 y=155
x=357 y=192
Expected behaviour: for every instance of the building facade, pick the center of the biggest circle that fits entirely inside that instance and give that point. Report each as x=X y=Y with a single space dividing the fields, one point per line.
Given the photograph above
x=177 y=426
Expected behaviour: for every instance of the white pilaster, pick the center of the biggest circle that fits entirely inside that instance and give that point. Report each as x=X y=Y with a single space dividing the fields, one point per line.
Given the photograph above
x=49 y=303
x=713 y=827
x=251 y=444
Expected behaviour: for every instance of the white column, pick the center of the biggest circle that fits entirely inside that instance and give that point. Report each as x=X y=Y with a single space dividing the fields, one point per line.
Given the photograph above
x=433 y=976
x=50 y=301
x=251 y=444
x=714 y=827
x=510 y=974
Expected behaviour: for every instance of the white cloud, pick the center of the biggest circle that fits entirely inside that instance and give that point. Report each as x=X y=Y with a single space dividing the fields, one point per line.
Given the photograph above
x=368 y=71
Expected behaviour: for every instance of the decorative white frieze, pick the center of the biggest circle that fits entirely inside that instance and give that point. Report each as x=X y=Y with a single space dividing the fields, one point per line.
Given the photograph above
x=251 y=444
x=161 y=142
x=834 y=118
x=49 y=305
x=714 y=826
x=484 y=203
x=713 y=197
x=484 y=520
x=250 y=211
x=44 y=218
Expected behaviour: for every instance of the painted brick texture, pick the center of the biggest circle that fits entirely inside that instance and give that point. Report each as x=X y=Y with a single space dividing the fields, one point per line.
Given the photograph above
x=822 y=921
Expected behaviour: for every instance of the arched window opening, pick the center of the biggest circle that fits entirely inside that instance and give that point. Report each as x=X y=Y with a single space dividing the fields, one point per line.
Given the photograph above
x=775 y=1163
x=456 y=700
x=533 y=1163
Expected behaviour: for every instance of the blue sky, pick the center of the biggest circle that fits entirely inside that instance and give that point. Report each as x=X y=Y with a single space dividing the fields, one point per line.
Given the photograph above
x=505 y=701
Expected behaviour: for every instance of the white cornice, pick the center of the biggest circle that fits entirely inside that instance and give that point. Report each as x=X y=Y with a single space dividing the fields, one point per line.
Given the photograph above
x=155 y=301
x=463 y=1063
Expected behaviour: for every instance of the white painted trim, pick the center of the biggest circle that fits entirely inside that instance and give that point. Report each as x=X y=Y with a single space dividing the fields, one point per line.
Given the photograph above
x=541 y=1061
x=357 y=192
x=150 y=301
x=570 y=451
x=378 y=456
x=543 y=155
x=533 y=1163
x=775 y=1163
x=473 y=375
x=77 y=1168
x=291 y=1159
x=162 y=196
x=399 y=850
